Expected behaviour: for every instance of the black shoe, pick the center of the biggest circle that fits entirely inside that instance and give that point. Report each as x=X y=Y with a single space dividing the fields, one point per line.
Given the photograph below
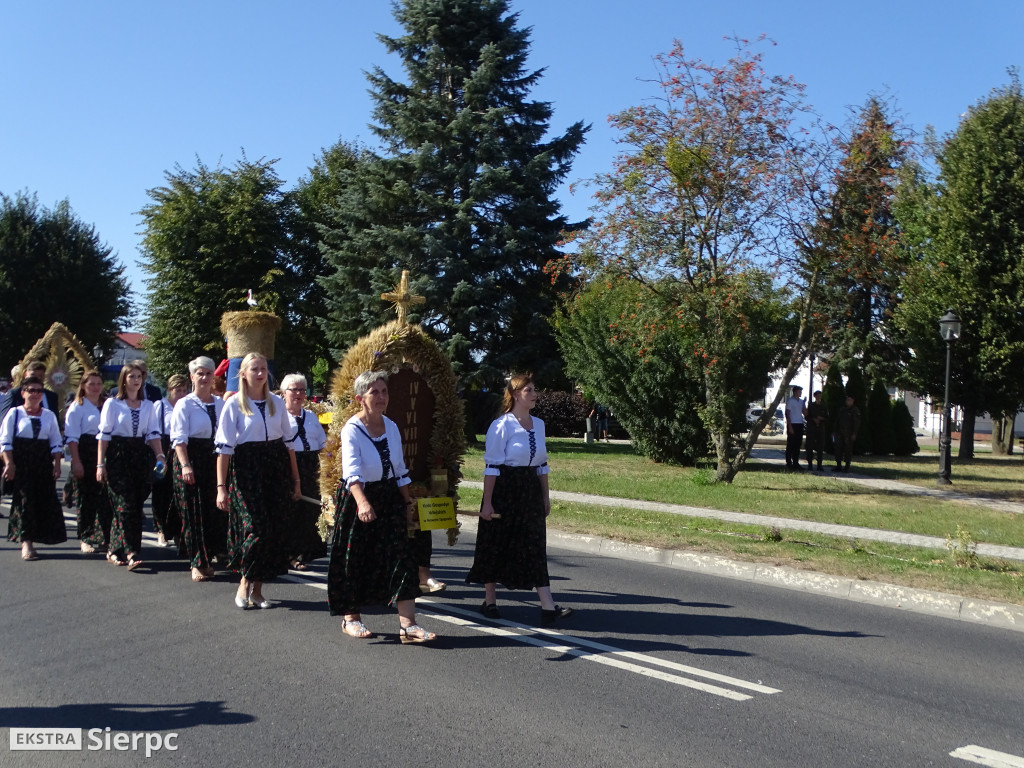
x=490 y=610
x=547 y=618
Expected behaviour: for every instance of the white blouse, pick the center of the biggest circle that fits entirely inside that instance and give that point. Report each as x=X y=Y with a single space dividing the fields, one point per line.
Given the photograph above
x=191 y=419
x=235 y=428
x=315 y=435
x=116 y=420
x=17 y=423
x=81 y=419
x=164 y=411
x=508 y=443
x=360 y=460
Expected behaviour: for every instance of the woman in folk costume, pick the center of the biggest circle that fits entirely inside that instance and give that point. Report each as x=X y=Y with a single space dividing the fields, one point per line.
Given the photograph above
x=166 y=516
x=257 y=478
x=31 y=446
x=81 y=428
x=204 y=528
x=128 y=440
x=371 y=560
x=304 y=542
x=511 y=541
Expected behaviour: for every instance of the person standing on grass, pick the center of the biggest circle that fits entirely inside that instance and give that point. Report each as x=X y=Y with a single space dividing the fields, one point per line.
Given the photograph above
x=796 y=415
x=847 y=427
x=817 y=415
x=512 y=549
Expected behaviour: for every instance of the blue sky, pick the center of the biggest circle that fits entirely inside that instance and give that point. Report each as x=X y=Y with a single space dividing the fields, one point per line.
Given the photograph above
x=100 y=99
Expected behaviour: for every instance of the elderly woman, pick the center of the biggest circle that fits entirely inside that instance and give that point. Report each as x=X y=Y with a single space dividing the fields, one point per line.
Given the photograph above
x=257 y=479
x=31 y=446
x=371 y=560
x=304 y=542
x=512 y=549
x=166 y=516
x=81 y=426
x=193 y=426
x=129 y=438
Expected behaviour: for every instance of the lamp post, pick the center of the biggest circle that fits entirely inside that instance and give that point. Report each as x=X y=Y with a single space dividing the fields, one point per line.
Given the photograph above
x=949 y=328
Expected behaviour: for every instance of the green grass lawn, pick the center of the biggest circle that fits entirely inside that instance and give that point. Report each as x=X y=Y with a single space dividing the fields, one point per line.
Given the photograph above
x=616 y=471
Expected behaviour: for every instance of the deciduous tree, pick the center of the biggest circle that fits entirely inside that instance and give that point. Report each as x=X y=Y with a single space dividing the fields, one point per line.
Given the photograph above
x=55 y=268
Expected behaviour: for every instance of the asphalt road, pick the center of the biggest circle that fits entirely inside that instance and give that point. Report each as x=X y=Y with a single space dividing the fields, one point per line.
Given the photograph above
x=658 y=667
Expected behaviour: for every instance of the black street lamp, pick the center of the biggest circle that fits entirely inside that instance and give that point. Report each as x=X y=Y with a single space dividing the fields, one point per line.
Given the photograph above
x=949 y=328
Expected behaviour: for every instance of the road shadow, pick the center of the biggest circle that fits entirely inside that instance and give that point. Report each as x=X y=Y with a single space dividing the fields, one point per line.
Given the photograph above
x=123 y=716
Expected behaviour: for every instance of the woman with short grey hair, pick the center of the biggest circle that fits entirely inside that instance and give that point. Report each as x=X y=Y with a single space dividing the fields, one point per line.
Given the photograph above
x=303 y=541
x=371 y=560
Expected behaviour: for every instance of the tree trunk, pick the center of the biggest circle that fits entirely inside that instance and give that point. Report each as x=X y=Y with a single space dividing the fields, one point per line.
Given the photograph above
x=967 y=434
x=1002 y=434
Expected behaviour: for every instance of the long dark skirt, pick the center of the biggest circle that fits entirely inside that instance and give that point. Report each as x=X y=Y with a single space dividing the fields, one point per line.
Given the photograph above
x=166 y=516
x=36 y=515
x=90 y=498
x=258 y=486
x=129 y=465
x=371 y=563
x=304 y=542
x=204 y=529
x=512 y=551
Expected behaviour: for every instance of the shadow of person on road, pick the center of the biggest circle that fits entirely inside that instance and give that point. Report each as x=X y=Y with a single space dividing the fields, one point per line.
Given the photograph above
x=123 y=717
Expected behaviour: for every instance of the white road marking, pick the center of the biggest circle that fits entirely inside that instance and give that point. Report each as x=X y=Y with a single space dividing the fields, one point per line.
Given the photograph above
x=982 y=756
x=604 y=653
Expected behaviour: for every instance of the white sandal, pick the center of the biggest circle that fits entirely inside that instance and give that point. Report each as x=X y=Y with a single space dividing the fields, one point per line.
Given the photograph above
x=405 y=634
x=356 y=629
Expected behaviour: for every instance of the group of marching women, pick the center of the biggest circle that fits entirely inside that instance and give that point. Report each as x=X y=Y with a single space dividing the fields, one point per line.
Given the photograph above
x=239 y=472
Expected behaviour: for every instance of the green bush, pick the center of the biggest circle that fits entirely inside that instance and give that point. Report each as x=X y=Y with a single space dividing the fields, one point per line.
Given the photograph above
x=904 y=437
x=564 y=413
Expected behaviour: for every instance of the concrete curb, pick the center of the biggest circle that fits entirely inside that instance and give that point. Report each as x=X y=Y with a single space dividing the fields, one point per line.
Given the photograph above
x=940 y=604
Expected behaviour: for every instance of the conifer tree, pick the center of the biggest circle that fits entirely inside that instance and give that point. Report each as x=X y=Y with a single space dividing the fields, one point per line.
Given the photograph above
x=834 y=397
x=461 y=194
x=859 y=232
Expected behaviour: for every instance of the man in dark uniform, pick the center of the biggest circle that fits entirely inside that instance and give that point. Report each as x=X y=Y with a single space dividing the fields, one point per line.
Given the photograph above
x=847 y=426
x=817 y=415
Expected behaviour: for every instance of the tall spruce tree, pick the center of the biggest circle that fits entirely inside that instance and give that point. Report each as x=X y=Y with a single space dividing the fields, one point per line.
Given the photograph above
x=461 y=194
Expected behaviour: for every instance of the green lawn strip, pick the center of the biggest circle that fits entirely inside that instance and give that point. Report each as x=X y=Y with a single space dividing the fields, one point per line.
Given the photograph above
x=615 y=471
x=997 y=477
x=932 y=569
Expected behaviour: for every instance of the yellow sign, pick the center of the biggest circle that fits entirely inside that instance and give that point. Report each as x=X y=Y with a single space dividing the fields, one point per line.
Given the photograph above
x=436 y=513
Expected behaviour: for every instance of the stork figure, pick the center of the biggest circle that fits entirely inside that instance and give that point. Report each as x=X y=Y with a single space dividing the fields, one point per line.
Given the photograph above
x=251 y=301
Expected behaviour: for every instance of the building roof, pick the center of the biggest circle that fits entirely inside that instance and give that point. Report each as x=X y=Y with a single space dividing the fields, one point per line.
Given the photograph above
x=133 y=340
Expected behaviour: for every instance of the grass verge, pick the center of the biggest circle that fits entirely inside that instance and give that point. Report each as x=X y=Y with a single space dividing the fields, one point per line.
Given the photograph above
x=614 y=470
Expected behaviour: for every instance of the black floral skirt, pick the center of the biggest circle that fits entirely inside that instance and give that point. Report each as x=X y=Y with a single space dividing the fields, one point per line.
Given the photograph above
x=371 y=563
x=512 y=551
x=304 y=542
x=259 y=487
x=166 y=516
x=129 y=465
x=90 y=498
x=36 y=514
x=204 y=528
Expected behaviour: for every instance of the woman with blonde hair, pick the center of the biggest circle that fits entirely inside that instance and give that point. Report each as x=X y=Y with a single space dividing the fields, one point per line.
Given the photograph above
x=81 y=427
x=371 y=560
x=193 y=427
x=129 y=438
x=511 y=541
x=257 y=478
